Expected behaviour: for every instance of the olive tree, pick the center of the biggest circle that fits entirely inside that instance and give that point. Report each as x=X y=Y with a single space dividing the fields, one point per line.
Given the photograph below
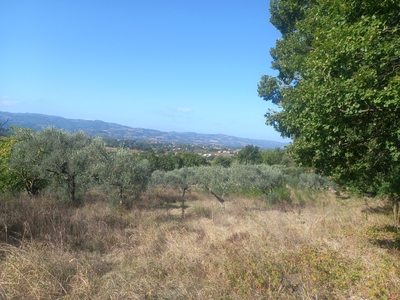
x=157 y=179
x=181 y=179
x=124 y=176
x=54 y=159
x=68 y=159
x=260 y=177
x=26 y=161
x=216 y=179
x=9 y=179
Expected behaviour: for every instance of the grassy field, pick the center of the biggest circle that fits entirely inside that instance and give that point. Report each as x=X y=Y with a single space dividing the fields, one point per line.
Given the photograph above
x=318 y=247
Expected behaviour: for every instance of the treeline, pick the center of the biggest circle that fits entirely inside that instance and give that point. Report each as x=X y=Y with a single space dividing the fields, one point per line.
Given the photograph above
x=66 y=165
x=248 y=155
x=168 y=156
x=158 y=147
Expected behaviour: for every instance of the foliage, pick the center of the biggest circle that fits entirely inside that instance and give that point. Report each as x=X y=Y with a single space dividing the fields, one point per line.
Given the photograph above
x=164 y=162
x=151 y=158
x=9 y=181
x=224 y=161
x=157 y=179
x=249 y=155
x=220 y=181
x=171 y=161
x=190 y=159
x=181 y=179
x=26 y=159
x=168 y=162
x=216 y=179
x=257 y=181
x=260 y=177
x=338 y=88
x=278 y=156
x=54 y=159
x=68 y=157
x=124 y=176
x=314 y=181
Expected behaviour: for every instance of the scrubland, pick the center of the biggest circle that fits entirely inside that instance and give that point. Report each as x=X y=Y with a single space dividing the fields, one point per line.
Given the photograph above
x=316 y=246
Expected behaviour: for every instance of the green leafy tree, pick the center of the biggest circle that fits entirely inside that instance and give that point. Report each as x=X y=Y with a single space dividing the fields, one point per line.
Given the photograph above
x=181 y=179
x=26 y=158
x=124 y=176
x=216 y=179
x=152 y=159
x=9 y=179
x=169 y=162
x=277 y=156
x=338 y=88
x=67 y=159
x=313 y=181
x=249 y=155
x=190 y=159
x=260 y=177
x=224 y=161
x=54 y=159
x=157 y=180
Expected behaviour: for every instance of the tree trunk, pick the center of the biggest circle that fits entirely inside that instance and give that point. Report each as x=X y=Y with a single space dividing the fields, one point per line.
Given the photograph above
x=222 y=201
x=72 y=188
x=183 y=208
x=395 y=201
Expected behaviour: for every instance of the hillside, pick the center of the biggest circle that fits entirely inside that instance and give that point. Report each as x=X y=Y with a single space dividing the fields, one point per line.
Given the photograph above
x=104 y=129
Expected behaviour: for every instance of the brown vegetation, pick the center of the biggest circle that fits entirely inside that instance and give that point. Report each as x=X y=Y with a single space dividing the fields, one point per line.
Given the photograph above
x=318 y=247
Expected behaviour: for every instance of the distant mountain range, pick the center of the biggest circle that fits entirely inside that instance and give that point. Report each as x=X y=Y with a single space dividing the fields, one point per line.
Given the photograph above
x=112 y=130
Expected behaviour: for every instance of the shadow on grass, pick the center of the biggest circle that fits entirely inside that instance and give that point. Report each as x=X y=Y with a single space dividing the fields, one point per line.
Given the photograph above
x=158 y=201
x=386 y=236
x=389 y=244
x=387 y=209
x=172 y=204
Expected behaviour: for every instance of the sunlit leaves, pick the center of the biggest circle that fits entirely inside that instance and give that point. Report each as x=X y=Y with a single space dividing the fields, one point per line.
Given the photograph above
x=249 y=155
x=55 y=160
x=26 y=159
x=9 y=180
x=338 y=85
x=269 y=89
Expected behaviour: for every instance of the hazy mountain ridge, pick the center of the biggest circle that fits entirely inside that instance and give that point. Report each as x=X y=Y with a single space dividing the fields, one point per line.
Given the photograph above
x=105 y=129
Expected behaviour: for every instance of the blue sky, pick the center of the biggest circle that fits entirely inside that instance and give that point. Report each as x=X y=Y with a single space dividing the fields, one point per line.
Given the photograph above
x=166 y=65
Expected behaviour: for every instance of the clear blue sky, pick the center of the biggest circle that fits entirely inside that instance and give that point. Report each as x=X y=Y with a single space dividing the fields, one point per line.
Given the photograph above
x=167 y=65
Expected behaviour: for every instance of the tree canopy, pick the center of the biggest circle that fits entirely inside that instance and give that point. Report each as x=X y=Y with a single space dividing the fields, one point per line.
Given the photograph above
x=249 y=155
x=338 y=88
x=53 y=158
x=123 y=176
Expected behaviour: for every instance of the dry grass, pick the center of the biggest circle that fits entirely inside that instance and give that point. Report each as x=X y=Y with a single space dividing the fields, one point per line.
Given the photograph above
x=318 y=247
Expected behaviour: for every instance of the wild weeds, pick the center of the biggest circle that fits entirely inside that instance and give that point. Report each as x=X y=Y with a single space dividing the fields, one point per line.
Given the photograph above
x=252 y=250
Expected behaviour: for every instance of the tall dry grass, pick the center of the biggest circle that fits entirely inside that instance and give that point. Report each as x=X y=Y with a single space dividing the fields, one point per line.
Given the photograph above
x=317 y=247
